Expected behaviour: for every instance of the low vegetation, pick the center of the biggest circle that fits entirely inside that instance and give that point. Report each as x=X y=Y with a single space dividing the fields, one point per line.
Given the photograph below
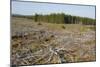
x=41 y=42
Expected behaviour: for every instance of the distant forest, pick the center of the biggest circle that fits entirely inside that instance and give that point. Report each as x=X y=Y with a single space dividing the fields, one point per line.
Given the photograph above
x=60 y=18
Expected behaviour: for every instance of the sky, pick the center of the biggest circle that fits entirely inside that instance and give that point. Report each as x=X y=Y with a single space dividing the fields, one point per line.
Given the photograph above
x=30 y=8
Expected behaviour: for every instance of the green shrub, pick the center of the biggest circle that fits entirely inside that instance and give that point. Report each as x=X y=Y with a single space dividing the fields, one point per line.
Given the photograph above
x=63 y=27
x=39 y=23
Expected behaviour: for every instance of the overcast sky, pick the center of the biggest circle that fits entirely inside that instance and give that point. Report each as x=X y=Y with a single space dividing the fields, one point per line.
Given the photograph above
x=30 y=8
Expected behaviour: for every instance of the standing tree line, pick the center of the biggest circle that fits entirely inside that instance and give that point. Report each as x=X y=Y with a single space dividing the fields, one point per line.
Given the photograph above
x=60 y=18
x=63 y=18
